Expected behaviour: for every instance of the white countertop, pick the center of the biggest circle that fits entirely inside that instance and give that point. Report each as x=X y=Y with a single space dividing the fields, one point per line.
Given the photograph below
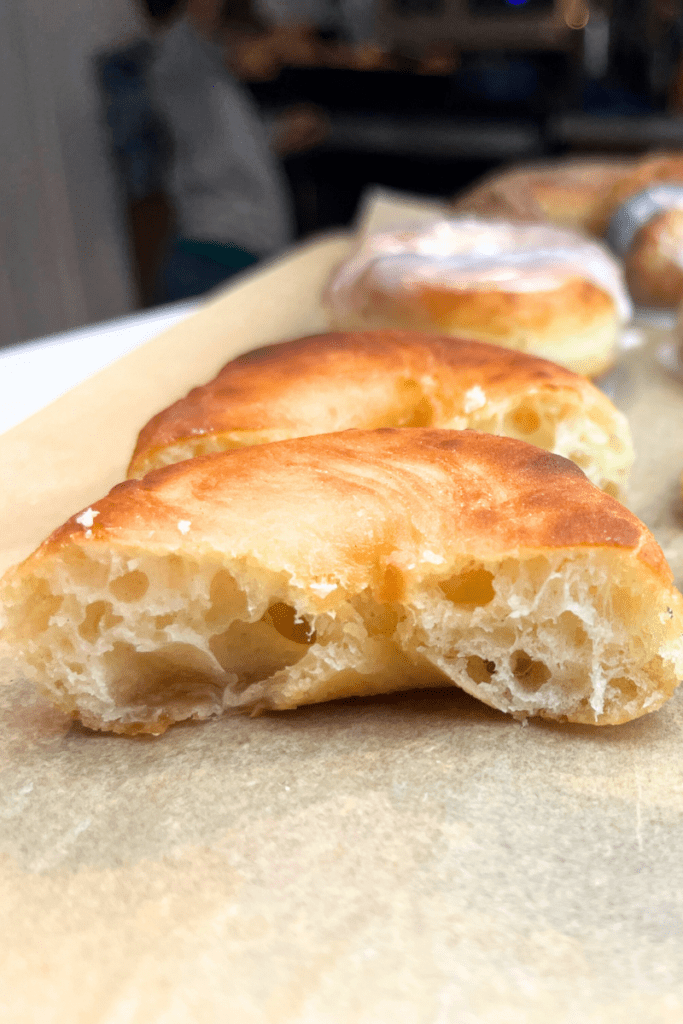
x=35 y=373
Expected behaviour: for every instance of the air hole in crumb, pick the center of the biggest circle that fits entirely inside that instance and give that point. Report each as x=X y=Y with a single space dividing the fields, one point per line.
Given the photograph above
x=526 y=420
x=626 y=687
x=611 y=489
x=44 y=604
x=530 y=674
x=536 y=570
x=254 y=651
x=175 y=572
x=290 y=624
x=472 y=588
x=162 y=621
x=479 y=670
x=130 y=587
x=380 y=619
x=571 y=628
x=90 y=626
x=392 y=585
x=422 y=415
x=177 y=675
x=227 y=600
x=525 y=423
x=625 y=603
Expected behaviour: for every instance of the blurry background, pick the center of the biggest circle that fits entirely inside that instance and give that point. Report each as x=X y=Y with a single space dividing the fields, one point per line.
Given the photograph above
x=420 y=95
x=64 y=250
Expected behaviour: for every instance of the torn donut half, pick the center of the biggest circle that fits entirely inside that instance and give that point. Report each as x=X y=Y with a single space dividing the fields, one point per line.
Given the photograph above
x=349 y=564
x=365 y=380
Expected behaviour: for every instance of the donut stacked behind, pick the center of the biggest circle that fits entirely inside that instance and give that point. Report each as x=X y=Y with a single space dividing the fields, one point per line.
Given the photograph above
x=571 y=193
x=535 y=288
x=337 y=381
x=349 y=564
x=587 y=195
x=653 y=261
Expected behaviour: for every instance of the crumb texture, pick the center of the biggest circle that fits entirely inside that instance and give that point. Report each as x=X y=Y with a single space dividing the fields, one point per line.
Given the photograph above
x=134 y=644
x=351 y=564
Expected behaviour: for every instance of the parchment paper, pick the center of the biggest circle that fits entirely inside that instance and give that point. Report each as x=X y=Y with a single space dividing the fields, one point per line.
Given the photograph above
x=414 y=859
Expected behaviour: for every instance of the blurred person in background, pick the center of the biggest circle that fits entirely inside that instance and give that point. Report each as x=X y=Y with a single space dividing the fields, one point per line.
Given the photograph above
x=229 y=194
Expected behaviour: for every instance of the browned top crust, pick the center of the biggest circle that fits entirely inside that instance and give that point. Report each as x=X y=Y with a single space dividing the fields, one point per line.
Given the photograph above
x=583 y=193
x=331 y=382
x=572 y=193
x=344 y=504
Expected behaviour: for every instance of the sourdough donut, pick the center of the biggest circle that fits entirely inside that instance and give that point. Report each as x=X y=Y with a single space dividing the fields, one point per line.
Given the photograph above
x=332 y=382
x=588 y=195
x=646 y=231
x=654 y=263
x=571 y=193
x=344 y=565
x=579 y=197
x=658 y=168
x=531 y=287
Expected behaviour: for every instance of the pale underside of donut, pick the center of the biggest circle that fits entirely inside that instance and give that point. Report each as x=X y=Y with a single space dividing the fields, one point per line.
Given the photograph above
x=534 y=287
x=333 y=382
x=346 y=565
x=575 y=324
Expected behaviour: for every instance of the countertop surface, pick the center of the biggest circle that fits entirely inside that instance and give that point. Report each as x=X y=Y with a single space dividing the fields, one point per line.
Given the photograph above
x=34 y=373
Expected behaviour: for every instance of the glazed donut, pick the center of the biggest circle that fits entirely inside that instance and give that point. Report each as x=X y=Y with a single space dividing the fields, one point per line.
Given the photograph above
x=344 y=565
x=332 y=382
x=531 y=287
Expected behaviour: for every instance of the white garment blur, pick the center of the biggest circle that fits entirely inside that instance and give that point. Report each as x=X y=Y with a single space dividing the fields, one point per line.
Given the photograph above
x=225 y=181
x=63 y=248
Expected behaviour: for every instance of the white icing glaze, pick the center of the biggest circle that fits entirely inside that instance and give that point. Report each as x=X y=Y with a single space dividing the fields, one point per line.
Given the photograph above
x=471 y=253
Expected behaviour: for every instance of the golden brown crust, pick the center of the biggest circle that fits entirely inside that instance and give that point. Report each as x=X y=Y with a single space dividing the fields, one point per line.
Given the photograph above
x=569 y=193
x=340 y=380
x=579 y=200
x=497 y=495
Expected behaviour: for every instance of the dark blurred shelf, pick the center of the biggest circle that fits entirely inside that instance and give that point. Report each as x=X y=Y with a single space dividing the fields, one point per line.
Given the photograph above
x=631 y=132
x=443 y=138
